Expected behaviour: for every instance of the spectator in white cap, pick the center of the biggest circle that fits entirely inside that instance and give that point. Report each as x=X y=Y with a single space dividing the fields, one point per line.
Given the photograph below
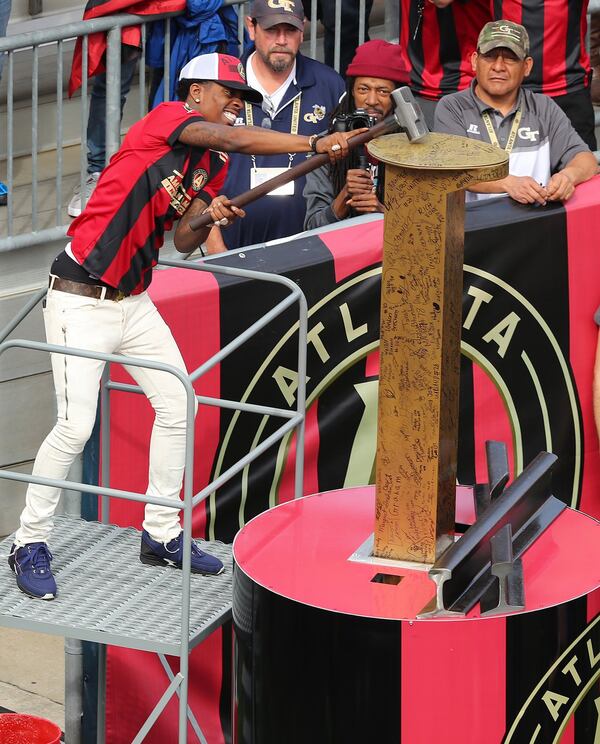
x=171 y=166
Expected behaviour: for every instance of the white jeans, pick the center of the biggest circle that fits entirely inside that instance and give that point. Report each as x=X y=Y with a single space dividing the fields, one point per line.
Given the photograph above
x=134 y=328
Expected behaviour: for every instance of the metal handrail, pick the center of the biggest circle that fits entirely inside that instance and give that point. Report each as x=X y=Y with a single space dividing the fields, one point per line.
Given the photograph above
x=117 y=359
x=179 y=685
x=78 y=28
x=111 y=26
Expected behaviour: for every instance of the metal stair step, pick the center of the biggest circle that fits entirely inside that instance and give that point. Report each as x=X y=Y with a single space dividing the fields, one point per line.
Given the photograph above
x=108 y=596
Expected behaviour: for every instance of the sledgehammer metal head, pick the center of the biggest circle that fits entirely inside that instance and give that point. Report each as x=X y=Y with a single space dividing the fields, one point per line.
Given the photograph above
x=408 y=114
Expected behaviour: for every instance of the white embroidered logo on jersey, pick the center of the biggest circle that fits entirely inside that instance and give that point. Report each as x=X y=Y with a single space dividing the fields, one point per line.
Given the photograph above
x=473 y=129
x=528 y=134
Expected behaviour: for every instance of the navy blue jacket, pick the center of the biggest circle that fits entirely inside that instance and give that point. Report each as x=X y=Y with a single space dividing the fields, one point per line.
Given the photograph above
x=279 y=216
x=205 y=27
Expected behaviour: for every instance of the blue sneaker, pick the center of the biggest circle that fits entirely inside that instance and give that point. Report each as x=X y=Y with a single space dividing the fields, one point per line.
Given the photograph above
x=155 y=553
x=31 y=564
x=3 y=194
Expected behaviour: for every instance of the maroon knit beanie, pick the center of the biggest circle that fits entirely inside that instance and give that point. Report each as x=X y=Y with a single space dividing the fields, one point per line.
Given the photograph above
x=380 y=59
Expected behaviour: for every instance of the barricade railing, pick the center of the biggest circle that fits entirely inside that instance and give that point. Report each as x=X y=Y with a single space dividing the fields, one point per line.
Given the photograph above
x=33 y=229
x=293 y=420
x=34 y=41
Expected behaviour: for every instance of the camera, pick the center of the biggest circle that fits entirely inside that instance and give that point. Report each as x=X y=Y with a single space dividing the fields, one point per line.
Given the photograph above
x=356 y=120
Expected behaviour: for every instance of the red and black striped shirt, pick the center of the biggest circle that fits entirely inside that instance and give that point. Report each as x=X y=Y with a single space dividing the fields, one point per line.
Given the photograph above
x=147 y=185
x=437 y=43
x=557 y=30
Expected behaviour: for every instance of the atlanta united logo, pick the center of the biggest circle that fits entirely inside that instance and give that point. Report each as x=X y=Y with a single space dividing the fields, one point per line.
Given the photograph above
x=503 y=333
x=509 y=339
x=569 y=682
x=199 y=178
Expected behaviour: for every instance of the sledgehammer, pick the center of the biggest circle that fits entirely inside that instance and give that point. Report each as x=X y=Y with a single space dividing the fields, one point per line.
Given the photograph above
x=407 y=117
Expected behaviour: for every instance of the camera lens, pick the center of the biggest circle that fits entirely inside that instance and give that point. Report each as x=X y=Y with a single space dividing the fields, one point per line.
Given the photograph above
x=340 y=123
x=358 y=122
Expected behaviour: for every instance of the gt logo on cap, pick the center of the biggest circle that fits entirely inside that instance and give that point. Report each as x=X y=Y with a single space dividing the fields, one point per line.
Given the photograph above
x=287 y=5
x=509 y=30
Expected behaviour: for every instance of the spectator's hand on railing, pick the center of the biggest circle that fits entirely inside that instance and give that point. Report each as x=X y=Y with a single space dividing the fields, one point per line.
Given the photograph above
x=560 y=187
x=525 y=190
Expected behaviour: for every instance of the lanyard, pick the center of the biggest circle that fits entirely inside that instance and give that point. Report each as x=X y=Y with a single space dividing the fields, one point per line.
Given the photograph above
x=295 y=114
x=492 y=133
x=293 y=128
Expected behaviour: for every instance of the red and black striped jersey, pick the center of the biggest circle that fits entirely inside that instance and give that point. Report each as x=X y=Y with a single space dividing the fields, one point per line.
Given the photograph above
x=148 y=184
x=437 y=43
x=557 y=30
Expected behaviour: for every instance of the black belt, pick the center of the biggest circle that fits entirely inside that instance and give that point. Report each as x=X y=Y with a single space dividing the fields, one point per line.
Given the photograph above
x=86 y=290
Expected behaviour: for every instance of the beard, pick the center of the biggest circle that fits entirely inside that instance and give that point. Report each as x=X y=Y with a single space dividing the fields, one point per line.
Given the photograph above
x=376 y=112
x=280 y=63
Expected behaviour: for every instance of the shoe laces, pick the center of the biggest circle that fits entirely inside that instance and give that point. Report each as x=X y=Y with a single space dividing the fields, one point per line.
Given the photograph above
x=174 y=546
x=39 y=556
x=177 y=543
x=196 y=550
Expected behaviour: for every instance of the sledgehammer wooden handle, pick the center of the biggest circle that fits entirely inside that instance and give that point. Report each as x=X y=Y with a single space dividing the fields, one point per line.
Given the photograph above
x=384 y=127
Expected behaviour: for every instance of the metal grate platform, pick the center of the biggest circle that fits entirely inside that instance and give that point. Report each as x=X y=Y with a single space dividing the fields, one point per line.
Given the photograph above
x=106 y=595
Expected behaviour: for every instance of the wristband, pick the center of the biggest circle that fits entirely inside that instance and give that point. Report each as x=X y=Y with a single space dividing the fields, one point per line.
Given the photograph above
x=312 y=141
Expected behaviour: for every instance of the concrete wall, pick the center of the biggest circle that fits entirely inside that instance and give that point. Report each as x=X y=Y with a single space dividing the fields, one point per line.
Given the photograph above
x=27 y=407
x=54 y=12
